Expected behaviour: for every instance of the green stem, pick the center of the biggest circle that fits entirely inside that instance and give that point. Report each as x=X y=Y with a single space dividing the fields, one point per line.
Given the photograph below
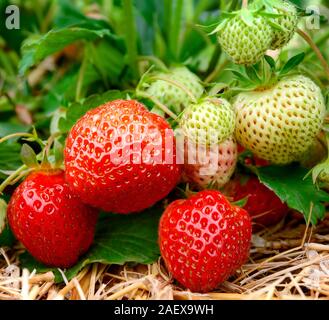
x=175 y=29
x=81 y=76
x=163 y=107
x=50 y=142
x=316 y=50
x=130 y=36
x=321 y=40
x=157 y=62
x=178 y=85
x=217 y=71
x=12 y=178
x=214 y=59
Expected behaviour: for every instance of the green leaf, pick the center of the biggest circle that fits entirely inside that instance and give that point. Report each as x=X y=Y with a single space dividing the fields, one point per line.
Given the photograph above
x=252 y=74
x=7 y=128
x=7 y=238
x=69 y=15
x=28 y=156
x=34 y=50
x=10 y=157
x=77 y=110
x=119 y=239
x=291 y=186
x=292 y=63
x=271 y=62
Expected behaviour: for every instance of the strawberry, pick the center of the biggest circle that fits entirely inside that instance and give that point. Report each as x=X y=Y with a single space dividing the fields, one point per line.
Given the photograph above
x=263 y=205
x=173 y=96
x=51 y=222
x=210 y=166
x=211 y=121
x=204 y=240
x=116 y=158
x=288 y=22
x=245 y=40
x=280 y=123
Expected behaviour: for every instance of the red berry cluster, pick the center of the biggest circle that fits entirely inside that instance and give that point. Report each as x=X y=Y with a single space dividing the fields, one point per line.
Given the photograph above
x=117 y=159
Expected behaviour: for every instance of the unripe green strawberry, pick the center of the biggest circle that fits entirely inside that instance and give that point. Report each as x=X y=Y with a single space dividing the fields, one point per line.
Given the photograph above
x=210 y=122
x=245 y=43
x=174 y=97
x=288 y=21
x=279 y=124
x=210 y=167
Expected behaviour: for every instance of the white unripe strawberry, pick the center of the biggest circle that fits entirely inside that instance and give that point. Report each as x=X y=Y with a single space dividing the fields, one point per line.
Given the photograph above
x=280 y=123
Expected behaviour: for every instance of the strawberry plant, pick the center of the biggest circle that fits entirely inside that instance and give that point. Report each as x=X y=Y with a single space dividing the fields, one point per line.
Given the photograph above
x=163 y=133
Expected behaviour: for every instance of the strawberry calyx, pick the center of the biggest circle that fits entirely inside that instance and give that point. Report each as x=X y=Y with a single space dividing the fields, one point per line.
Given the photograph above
x=247 y=15
x=264 y=75
x=49 y=159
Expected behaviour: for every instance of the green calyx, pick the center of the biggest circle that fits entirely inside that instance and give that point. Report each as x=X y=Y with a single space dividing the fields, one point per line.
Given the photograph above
x=50 y=157
x=263 y=75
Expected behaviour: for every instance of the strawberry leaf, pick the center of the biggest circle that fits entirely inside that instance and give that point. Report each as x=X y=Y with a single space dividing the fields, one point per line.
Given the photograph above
x=291 y=186
x=77 y=110
x=118 y=240
x=10 y=158
x=292 y=63
x=36 y=49
x=271 y=62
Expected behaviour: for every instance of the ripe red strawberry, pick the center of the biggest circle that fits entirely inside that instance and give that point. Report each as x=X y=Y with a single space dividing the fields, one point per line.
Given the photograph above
x=117 y=159
x=204 y=240
x=52 y=223
x=263 y=205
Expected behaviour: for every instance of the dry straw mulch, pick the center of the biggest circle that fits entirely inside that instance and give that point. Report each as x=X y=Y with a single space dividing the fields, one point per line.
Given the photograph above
x=290 y=261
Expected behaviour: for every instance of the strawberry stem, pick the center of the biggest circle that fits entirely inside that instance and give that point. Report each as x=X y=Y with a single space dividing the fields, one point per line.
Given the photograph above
x=12 y=178
x=131 y=36
x=177 y=84
x=50 y=142
x=176 y=28
x=217 y=71
x=163 y=107
x=81 y=77
x=316 y=50
x=157 y=62
x=23 y=135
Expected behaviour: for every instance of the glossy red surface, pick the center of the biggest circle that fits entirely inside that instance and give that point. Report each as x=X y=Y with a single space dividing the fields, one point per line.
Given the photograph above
x=204 y=240
x=51 y=222
x=116 y=158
